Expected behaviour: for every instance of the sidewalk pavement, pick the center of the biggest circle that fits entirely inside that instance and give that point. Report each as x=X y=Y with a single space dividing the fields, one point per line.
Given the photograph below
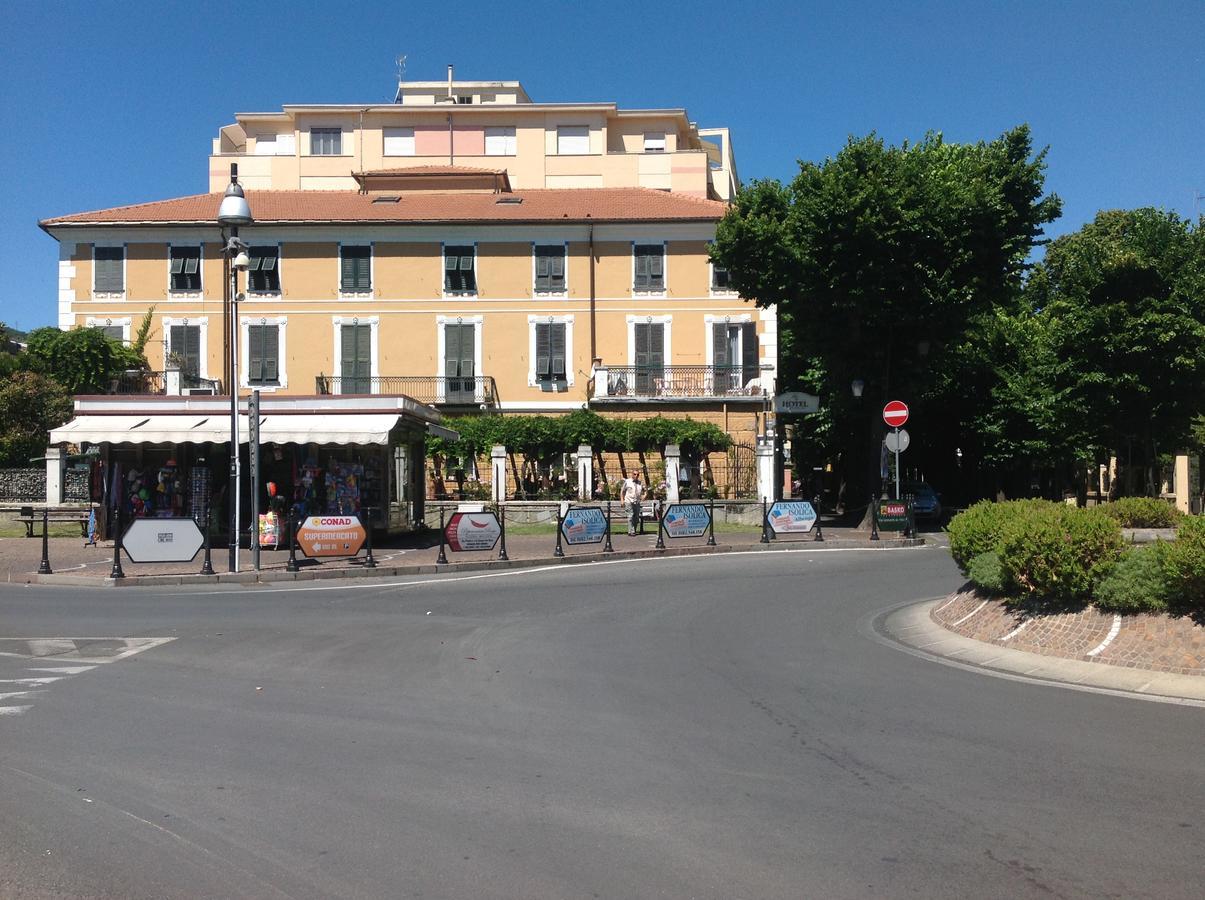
x=73 y=563
x=1132 y=658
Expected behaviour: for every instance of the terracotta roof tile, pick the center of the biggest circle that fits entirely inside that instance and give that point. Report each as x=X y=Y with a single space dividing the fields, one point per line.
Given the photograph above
x=433 y=170
x=539 y=205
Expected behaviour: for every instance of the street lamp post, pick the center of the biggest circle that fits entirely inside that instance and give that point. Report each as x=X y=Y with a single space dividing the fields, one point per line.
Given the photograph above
x=233 y=212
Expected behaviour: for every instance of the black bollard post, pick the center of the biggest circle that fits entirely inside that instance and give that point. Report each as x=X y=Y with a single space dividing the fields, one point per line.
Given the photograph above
x=910 y=531
x=874 y=519
x=502 y=527
x=369 y=562
x=44 y=566
x=116 y=572
x=291 y=565
x=819 y=530
x=607 y=548
x=711 y=523
x=660 y=533
x=442 y=559
x=207 y=562
x=765 y=523
x=559 y=551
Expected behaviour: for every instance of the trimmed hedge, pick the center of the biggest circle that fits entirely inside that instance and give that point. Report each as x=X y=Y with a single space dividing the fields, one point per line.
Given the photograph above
x=1138 y=583
x=1060 y=553
x=980 y=528
x=984 y=571
x=1144 y=512
x=1184 y=565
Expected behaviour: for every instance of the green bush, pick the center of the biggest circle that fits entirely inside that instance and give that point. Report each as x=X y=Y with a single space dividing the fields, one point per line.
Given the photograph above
x=984 y=572
x=1144 y=512
x=981 y=528
x=1059 y=553
x=1138 y=583
x=1184 y=564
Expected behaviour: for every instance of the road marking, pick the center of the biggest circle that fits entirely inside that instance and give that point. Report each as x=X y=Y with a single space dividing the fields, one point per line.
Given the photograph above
x=944 y=605
x=18 y=694
x=63 y=670
x=1014 y=632
x=1113 y=632
x=968 y=615
x=29 y=680
x=13 y=710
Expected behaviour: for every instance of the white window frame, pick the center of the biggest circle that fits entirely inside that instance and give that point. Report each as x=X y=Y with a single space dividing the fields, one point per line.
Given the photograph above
x=709 y=336
x=667 y=321
x=283 y=143
x=508 y=138
x=125 y=274
x=244 y=324
x=374 y=341
x=712 y=290
x=372 y=271
x=441 y=347
x=345 y=148
x=200 y=321
x=186 y=295
x=280 y=278
x=560 y=128
x=532 y=322
x=538 y=293
x=443 y=278
x=662 y=291
x=651 y=141
x=111 y=322
x=400 y=135
x=265 y=144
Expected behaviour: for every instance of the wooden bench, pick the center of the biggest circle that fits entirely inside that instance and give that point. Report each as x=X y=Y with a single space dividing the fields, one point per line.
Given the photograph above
x=30 y=517
x=650 y=510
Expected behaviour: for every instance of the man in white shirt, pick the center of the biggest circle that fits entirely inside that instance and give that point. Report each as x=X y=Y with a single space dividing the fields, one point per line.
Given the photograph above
x=632 y=497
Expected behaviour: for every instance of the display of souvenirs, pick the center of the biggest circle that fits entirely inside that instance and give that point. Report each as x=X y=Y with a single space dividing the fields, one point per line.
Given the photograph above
x=200 y=494
x=306 y=488
x=343 y=488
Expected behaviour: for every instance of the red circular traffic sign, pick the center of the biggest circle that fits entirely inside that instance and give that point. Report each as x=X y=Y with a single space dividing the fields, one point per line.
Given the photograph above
x=895 y=413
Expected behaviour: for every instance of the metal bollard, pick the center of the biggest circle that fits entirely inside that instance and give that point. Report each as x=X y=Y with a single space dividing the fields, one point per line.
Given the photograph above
x=369 y=562
x=559 y=551
x=207 y=562
x=819 y=529
x=607 y=548
x=291 y=565
x=502 y=528
x=44 y=566
x=442 y=559
x=116 y=572
x=874 y=519
x=711 y=523
x=660 y=533
x=765 y=522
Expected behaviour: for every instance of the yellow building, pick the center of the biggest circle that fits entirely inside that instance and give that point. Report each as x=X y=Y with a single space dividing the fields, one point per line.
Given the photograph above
x=463 y=246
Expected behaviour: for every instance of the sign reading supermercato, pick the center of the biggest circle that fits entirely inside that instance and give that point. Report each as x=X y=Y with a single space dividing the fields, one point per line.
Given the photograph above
x=584 y=525
x=330 y=536
x=472 y=531
x=686 y=520
x=162 y=540
x=792 y=517
x=893 y=515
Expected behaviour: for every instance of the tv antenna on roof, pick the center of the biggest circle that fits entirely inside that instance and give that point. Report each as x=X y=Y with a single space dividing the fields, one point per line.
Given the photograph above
x=401 y=67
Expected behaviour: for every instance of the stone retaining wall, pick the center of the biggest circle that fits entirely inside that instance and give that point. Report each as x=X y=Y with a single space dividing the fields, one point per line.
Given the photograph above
x=22 y=485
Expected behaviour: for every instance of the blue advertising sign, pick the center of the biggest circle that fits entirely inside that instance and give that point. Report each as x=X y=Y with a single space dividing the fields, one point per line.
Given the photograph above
x=792 y=517
x=686 y=520
x=584 y=525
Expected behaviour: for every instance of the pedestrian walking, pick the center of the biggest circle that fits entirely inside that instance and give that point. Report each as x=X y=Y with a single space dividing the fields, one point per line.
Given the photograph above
x=632 y=497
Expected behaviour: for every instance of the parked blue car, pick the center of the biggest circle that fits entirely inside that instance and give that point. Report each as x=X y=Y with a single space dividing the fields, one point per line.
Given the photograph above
x=926 y=502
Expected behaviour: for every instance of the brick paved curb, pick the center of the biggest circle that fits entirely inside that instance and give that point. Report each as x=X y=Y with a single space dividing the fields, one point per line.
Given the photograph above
x=275 y=576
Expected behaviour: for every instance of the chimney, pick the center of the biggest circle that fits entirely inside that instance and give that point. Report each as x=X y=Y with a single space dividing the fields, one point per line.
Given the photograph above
x=451 y=99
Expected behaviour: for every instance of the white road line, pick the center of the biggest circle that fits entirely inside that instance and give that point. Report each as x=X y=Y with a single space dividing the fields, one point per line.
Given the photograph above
x=62 y=670
x=968 y=615
x=944 y=605
x=19 y=694
x=14 y=710
x=1113 y=632
x=50 y=646
x=28 y=680
x=1014 y=632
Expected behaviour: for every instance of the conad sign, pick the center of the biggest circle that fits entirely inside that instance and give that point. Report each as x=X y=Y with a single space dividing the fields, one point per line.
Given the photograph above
x=330 y=536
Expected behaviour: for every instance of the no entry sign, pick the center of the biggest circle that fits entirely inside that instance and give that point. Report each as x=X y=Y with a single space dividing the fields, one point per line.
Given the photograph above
x=895 y=413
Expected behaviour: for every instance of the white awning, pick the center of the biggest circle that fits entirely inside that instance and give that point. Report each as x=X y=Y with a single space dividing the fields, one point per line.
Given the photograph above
x=194 y=429
x=362 y=428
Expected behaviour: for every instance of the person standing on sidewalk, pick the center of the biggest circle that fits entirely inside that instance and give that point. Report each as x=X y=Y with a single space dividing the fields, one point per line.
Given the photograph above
x=633 y=497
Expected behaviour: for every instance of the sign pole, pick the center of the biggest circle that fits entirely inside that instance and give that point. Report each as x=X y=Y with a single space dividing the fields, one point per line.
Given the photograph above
x=607 y=548
x=502 y=526
x=897 y=464
x=253 y=459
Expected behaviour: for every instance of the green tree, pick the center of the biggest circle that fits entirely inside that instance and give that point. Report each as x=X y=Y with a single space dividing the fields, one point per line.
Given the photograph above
x=1125 y=296
x=30 y=405
x=880 y=259
x=83 y=360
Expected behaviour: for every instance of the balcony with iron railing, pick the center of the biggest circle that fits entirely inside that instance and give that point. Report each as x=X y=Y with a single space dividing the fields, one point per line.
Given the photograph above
x=633 y=383
x=438 y=390
x=172 y=381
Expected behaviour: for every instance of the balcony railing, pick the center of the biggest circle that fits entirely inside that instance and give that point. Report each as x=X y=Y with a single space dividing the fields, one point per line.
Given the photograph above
x=140 y=381
x=475 y=390
x=681 y=382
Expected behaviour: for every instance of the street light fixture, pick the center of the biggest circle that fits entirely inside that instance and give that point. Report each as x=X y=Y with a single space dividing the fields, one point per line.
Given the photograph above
x=857 y=388
x=233 y=212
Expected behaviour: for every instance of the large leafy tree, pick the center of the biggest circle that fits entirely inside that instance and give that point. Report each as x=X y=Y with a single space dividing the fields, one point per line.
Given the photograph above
x=83 y=360
x=880 y=260
x=30 y=405
x=1125 y=297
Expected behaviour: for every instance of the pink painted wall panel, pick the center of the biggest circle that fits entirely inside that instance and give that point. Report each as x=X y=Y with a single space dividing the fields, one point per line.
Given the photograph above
x=469 y=140
x=431 y=140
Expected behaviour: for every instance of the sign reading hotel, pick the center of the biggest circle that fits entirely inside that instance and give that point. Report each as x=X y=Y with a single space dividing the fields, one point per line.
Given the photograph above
x=330 y=536
x=472 y=531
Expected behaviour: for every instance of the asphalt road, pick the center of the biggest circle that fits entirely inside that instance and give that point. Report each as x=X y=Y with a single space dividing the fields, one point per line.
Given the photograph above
x=722 y=727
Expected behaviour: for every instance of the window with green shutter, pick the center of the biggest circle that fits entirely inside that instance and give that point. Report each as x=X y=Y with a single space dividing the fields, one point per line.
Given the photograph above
x=650 y=267
x=460 y=276
x=356 y=361
x=263 y=273
x=650 y=355
x=550 y=354
x=263 y=351
x=185 y=268
x=460 y=363
x=355 y=268
x=184 y=348
x=110 y=269
x=550 y=268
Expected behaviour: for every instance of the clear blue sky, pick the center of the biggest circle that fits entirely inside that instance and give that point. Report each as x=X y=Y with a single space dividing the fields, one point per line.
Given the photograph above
x=112 y=103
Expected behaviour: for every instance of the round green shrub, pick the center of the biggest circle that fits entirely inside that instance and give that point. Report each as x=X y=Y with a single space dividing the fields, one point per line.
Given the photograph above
x=1138 y=583
x=1059 y=553
x=984 y=572
x=1184 y=564
x=1144 y=512
x=980 y=528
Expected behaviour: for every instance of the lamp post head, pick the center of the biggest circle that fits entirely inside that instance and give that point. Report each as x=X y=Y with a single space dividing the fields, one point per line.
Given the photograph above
x=234 y=210
x=857 y=387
